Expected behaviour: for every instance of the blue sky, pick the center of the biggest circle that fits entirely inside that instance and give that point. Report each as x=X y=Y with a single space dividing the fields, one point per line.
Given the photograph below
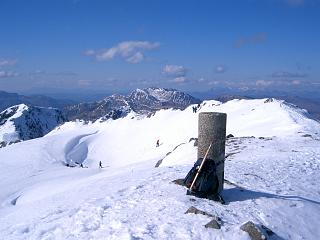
x=93 y=45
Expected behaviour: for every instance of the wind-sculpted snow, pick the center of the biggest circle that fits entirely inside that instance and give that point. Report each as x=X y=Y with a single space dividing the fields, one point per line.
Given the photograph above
x=77 y=150
x=272 y=174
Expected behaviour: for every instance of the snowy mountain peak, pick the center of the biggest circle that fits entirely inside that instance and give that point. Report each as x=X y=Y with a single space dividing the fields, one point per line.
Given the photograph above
x=12 y=112
x=141 y=101
x=165 y=94
x=22 y=122
x=139 y=94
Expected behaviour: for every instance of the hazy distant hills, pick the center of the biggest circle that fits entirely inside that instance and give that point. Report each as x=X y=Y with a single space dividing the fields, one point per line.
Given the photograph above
x=149 y=100
x=10 y=99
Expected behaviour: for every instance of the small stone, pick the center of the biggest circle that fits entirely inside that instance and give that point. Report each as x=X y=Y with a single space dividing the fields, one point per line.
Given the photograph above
x=179 y=181
x=254 y=232
x=197 y=211
x=213 y=224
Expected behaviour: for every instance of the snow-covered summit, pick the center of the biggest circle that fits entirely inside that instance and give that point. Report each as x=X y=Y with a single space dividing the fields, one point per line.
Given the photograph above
x=142 y=101
x=22 y=122
x=263 y=117
x=164 y=95
x=272 y=168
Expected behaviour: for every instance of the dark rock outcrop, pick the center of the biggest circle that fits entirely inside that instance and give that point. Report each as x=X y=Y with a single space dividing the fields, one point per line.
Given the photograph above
x=195 y=210
x=213 y=224
x=254 y=231
x=22 y=122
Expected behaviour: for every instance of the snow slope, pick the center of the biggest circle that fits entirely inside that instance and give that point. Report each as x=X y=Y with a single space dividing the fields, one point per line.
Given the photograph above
x=272 y=180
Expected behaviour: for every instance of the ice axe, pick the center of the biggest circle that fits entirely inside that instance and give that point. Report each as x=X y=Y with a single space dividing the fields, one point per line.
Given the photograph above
x=189 y=192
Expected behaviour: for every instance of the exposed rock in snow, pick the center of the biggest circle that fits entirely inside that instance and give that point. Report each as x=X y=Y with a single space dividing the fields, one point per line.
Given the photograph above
x=253 y=231
x=194 y=210
x=213 y=224
x=22 y=122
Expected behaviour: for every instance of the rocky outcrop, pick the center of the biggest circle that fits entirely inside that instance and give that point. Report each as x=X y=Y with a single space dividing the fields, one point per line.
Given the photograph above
x=22 y=122
x=254 y=231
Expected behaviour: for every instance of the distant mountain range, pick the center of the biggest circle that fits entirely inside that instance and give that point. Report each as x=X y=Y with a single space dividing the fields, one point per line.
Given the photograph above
x=11 y=99
x=36 y=117
x=143 y=101
x=27 y=121
x=22 y=122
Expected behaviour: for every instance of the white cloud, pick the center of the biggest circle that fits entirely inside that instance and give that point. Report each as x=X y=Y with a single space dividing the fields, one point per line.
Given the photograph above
x=136 y=58
x=296 y=82
x=220 y=68
x=89 y=52
x=7 y=62
x=174 y=71
x=201 y=80
x=179 y=79
x=288 y=75
x=84 y=82
x=213 y=83
x=5 y=74
x=38 y=71
x=263 y=83
x=131 y=51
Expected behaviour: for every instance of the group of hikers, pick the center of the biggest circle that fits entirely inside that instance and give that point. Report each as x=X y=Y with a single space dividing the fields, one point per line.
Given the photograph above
x=195 y=108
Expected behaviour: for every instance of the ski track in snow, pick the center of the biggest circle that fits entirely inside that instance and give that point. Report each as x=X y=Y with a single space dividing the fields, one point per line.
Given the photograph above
x=272 y=181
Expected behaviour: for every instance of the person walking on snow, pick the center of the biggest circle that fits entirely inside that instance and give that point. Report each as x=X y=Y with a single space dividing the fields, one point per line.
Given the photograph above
x=100 y=164
x=158 y=143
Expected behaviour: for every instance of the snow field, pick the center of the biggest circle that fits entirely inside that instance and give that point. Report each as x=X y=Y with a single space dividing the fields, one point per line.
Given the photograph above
x=274 y=181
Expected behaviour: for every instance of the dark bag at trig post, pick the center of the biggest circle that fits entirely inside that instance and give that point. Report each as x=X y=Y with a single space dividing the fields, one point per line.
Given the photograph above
x=207 y=182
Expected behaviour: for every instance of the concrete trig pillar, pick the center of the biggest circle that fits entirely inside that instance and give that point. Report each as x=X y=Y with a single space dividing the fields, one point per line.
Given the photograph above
x=212 y=129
